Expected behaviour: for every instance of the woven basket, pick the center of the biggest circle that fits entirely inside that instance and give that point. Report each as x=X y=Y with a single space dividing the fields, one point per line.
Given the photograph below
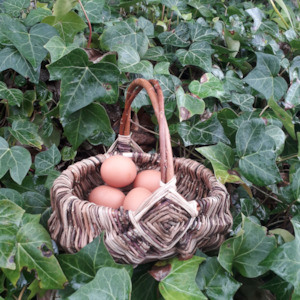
x=190 y=210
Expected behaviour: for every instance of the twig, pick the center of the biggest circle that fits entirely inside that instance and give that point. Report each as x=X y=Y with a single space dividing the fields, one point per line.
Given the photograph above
x=163 y=12
x=272 y=197
x=89 y=23
x=262 y=112
x=169 y=25
x=22 y=292
x=287 y=157
x=279 y=14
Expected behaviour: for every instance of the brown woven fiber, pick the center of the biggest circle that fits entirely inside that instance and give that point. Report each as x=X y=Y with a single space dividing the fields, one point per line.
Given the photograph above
x=190 y=210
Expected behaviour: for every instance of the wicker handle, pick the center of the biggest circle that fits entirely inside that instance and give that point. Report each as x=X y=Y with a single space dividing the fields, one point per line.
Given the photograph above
x=157 y=99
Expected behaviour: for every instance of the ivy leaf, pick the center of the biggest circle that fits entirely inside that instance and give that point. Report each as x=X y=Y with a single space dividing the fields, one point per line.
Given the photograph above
x=222 y=159
x=282 y=289
x=93 y=9
x=202 y=133
x=11 y=58
x=247 y=250
x=34 y=251
x=19 y=163
x=124 y=33
x=57 y=48
x=157 y=54
x=14 y=7
x=129 y=61
x=109 y=283
x=178 y=37
x=36 y=16
x=35 y=203
x=81 y=267
x=10 y=219
x=285 y=260
x=175 y=286
x=62 y=7
x=30 y=44
x=296 y=185
x=145 y=287
x=12 y=195
x=86 y=123
x=13 y=96
x=278 y=135
x=244 y=101
x=188 y=105
x=293 y=94
x=263 y=78
x=67 y=25
x=198 y=32
x=17 y=159
x=162 y=68
x=256 y=151
x=208 y=86
x=83 y=82
x=212 y=280
x=199 y=54
x=46 y=160
x=26 y=133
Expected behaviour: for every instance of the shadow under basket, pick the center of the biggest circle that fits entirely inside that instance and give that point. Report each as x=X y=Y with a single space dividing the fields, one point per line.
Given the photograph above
x=190 y=210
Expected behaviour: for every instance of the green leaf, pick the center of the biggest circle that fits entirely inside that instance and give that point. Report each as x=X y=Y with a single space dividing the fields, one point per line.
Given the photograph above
x=244 y=101
x=30 y=44
x=199 y=54
x=202 y=133
x=222 y=159
x=147 y=26
x=14 y=7
x=68 y=153
x=124 y=33
x=12 y=195
x=208 y=86
x=34 y=251
x=62 y=7
x=232 y=44
x=109 y=283
x=67 y=25
x=188 y=105
x=215 y=282
x=83 y=82
x=277 y=134
x=145 y=287
x=285 y=260
x=286 y=235
x=35 y=203
x=247 y=250
x=19 y=162
x=57 y=48
x=26 y=133
x=94 y=10
x=198 y=32
x=86 y=123
x=11 y=58
x=4 y=156
x=36 y=16
x=256 y=151
x=129 y=61
x=46 y=160
x=81 y=267
x=162 y=68
x=263 y=78
x=157 y=54
x=293 y=94
x=10 y=219
x=280 y=288
x=13 y=96
x=296 y=185
x=180 y=283
x=178 y=37
x=284 y=117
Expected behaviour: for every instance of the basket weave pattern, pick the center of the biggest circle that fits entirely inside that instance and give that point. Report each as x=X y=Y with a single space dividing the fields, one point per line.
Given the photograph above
x=190 y=210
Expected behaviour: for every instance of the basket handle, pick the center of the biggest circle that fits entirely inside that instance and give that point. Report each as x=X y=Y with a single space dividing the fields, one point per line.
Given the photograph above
x=157 y=99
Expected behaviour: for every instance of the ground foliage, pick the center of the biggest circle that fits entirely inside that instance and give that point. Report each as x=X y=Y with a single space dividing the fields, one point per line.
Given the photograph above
x=230 y=74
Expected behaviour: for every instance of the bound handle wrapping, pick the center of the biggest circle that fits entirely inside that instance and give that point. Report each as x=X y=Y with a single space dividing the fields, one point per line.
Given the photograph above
x=157 y=99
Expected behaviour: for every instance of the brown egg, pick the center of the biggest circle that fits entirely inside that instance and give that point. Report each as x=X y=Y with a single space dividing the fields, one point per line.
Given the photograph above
x=135 y=198
x=104 y=195
x=148 y=179
x=118 y=171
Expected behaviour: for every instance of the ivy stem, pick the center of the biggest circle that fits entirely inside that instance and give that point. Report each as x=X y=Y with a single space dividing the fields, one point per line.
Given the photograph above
x=279 y=14
x=266 y=194
x=22 y=292
x=89 y=23
x=287 y=157
x=262 y=112
x=163 y=12
x=169 y=25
